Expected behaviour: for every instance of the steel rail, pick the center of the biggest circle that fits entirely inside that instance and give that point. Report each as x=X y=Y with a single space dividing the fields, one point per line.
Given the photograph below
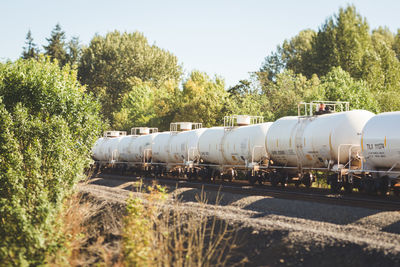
x=303 y=194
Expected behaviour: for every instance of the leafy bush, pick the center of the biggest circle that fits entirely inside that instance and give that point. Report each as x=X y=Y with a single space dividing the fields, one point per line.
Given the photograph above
x=47 y=128
x=162 y=233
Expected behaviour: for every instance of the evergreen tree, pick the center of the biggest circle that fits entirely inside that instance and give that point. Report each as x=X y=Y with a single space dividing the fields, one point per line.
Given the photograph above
x=56 y=47
x=30 y=50
x=396 y=44
x=74 y=51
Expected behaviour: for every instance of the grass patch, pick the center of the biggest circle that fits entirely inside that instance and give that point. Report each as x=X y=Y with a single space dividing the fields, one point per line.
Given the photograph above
x=158 y=231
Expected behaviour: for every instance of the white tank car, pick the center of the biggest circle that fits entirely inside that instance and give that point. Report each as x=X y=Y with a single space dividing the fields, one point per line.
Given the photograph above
x=234 y=146
x=125 y=148
x=183 y=146
x=106 y=149
x=380 y=142
x=210 y=145
x=141 y=148
x=160 y=147
x=315 y=141
x=97 y=150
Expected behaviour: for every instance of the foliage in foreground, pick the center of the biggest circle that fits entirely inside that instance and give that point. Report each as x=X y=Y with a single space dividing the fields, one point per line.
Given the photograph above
x=47 y=128
x=157 y=234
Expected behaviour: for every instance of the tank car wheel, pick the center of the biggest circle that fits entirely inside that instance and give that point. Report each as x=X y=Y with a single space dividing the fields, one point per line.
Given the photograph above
x=307 y=180
x=260 y=179
x=370 y=187
x=283 y=180
x=396 y=191
x=274 y=179
x=348 y=187
x=334 y=184
x=251 y=178
x=189 y=175
x=384 y=185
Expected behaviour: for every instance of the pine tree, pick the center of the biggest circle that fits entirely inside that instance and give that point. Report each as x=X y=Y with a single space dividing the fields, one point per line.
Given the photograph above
x=56 y=47
x=74 y=51
x=30 y=50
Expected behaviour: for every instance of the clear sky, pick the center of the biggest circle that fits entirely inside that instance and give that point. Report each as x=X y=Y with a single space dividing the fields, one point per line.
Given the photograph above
x=225 y=37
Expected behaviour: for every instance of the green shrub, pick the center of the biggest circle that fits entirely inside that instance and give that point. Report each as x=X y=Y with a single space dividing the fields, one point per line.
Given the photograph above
x=161 y=232
x=47 y=128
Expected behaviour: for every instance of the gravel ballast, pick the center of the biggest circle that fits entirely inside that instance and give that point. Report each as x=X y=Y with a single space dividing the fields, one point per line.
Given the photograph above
x=282 y=232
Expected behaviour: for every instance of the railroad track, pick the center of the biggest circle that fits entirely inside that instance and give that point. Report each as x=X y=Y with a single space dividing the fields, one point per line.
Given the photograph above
x=303 y=194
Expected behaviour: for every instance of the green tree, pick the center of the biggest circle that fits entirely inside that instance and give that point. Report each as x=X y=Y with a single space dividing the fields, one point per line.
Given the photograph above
x=166 y=104
x=366 y=60
x=286 y=92
x=137 y=106
x=291 y=55
x=148 y=105
x=338 y=85
x=30 y=50
x=342 y=41
x=48 y=126
x=396 y=44
x=56 y=46
x=245 y=98
x=202 y=99
x=383 y=34
x=74 y=51
x=109 y=63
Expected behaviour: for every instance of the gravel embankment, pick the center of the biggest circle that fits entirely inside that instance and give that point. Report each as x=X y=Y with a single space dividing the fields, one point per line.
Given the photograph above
x=279 y=232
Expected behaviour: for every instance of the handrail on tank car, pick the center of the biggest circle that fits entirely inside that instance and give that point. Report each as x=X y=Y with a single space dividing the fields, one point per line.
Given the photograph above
x=231 y=120
x=194 y=149
x=146 y=153
x=253 y=152
x=330 y=106
x=138 y=130
x=351 y=146
x=114 y=133
x=175 y=127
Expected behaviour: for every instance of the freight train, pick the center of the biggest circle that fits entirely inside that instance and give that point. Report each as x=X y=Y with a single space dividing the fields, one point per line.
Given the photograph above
x=351 y=148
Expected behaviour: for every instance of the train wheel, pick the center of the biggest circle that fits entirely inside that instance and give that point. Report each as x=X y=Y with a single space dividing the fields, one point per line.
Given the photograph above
x=384 y=185
x=307 y=180
x=260 y=179
x=396 y=191
x=251 y=178
x=335 y=187
x=370 y=186
x=348 y=187
x=274 y=179
x=334 y=184
x=283 y=180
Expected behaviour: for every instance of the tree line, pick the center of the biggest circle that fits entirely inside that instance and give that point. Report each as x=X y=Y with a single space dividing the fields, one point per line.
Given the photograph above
x=139 y=84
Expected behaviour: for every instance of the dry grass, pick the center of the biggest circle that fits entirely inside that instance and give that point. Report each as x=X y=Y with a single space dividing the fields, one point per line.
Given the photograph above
x=152 y=230
x=168 y=235
x=82 y=242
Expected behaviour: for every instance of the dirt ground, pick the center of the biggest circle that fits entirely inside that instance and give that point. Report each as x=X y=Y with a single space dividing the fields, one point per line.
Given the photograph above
x=271 y=231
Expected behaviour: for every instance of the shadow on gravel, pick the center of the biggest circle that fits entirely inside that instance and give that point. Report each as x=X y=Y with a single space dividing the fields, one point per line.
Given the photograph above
x=122 y=184
x=309 y=210
x=283 y=207
x=281 y=248
x=392 y=228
